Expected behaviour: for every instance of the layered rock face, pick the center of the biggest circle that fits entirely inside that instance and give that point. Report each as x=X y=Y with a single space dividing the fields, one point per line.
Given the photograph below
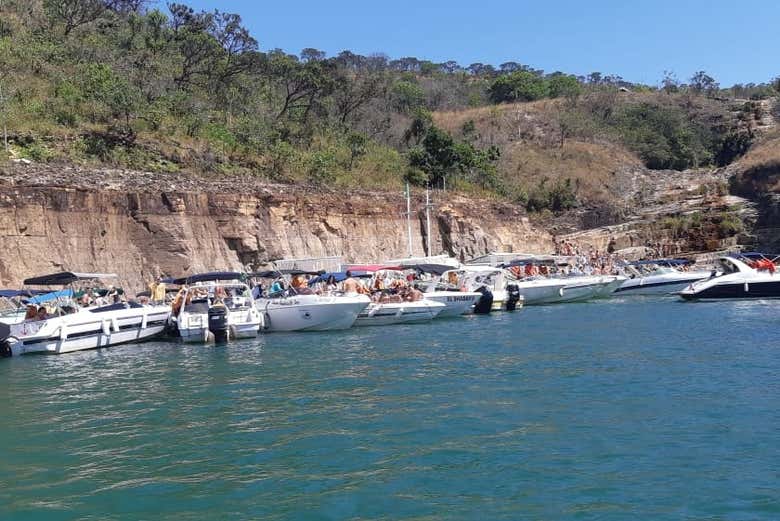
x=164 y=227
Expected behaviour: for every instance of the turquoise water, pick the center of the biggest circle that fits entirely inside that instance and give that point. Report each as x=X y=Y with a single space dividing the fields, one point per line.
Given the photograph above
x=642 y=409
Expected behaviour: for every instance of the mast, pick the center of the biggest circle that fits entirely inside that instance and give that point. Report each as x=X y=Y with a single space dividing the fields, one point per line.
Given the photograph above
x=428 y=218
x=409 y=218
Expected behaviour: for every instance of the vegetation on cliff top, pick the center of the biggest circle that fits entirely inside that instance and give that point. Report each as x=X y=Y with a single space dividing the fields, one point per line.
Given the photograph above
x=118 y=82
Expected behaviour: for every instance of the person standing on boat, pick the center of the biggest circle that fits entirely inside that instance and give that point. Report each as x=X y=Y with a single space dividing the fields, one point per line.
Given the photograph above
x=157 y=291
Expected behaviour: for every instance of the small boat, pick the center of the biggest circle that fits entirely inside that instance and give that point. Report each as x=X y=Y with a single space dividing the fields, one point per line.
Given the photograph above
x=301 y=309
x=738 y=276
x=67 y=325
x=658 y=277
x=215 y=306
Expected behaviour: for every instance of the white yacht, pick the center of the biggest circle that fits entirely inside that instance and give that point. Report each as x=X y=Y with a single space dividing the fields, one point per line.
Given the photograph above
x=64 y=325
x=658 y=277
x=214 y=306
x=738 y=276
x=290 y=309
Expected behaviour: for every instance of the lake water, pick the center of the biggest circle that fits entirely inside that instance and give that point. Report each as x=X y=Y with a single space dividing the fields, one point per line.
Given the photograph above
x=626 y=409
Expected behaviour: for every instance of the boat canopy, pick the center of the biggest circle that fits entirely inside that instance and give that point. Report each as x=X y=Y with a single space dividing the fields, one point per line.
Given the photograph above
x=48 y=297
x=66 y=277
x=209 y=277
x=435 y=269
x=301 y=272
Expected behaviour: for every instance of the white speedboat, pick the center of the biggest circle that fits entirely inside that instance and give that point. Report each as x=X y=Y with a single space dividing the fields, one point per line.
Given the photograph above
x=490 y=282
x=739 y=276
x=658 y=277
x=215 y=306
x=295 y=312
x=65 y=326
x=302 y=309
x=458 y=302
x=388 y=313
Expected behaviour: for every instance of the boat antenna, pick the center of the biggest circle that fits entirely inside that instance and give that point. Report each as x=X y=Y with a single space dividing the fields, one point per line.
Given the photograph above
x=428 y=207
x=409 y=218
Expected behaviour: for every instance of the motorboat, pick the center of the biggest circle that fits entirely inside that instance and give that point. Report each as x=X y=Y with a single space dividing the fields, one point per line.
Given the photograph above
x=457 y=301
x=491 y=282
x=658 y=277
x=738 y=276
x=215 y=306
x=546 y=279
x=303 y=309
x=69 y=320
x=394 y=299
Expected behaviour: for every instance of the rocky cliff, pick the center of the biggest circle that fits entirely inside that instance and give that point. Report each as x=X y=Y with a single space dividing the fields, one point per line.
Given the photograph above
x=140 y=225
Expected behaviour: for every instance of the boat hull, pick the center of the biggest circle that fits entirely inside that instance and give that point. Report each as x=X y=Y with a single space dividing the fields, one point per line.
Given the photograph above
x=658 y=285
x=736 y=290
x=399 y=313
x=317 y=314
x=85 y=330
x=457 y=303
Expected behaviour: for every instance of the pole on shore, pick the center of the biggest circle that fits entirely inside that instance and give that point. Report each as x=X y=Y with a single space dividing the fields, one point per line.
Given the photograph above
x=409 y=218
x=428 y=206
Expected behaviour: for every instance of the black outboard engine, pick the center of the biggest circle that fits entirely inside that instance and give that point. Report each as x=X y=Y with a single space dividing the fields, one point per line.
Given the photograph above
x=485 y=302
x=512 y=296
x=218 y=323
x=5 y=345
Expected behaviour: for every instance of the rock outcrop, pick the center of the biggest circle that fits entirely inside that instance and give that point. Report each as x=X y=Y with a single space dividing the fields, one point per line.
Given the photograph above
x=142 y=225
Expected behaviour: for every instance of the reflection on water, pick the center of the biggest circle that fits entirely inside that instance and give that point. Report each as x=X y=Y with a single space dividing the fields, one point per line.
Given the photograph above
x=612 y=410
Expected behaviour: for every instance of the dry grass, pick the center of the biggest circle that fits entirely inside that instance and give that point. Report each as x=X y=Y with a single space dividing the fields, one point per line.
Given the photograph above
x=529 y=137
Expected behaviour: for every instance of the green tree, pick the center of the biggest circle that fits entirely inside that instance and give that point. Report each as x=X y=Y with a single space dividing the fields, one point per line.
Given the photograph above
x=564 y=86
x=518 y=86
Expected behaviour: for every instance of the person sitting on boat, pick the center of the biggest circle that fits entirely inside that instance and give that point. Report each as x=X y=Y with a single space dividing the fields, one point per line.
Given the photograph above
x=257 y=290
x=42 y=314
x=277 y=286
x=31 y=313
x=413 y=294
x=85 y=300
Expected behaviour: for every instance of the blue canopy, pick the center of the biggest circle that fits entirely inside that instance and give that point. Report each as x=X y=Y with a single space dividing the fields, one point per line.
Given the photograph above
x=209 y=277
x=48 y=297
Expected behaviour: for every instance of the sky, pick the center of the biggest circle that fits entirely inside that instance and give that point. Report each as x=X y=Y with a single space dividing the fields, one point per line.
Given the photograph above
x=734 y=41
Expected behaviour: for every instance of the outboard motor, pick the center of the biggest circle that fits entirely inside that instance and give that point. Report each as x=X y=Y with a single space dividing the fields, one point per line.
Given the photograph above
x=5 y=345
x=485 y=302
x=218 y=323
x=512 y=296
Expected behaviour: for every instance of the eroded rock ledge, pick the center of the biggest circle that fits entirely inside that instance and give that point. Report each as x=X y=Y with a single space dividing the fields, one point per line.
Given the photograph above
x=140 y=224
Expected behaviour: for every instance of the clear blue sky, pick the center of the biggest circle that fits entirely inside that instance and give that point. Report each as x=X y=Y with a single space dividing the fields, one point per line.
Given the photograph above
x=736 y=42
